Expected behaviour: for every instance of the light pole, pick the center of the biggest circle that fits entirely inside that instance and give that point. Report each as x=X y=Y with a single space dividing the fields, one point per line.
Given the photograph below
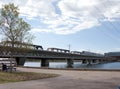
x=69 y=46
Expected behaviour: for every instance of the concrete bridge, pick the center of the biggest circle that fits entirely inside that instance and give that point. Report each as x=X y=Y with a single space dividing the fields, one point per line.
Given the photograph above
x=22 y=54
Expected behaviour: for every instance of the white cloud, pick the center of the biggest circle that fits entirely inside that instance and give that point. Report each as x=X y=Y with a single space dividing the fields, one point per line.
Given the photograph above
x=114 y=50
x=40 y=30
x=36 y=8
x=112 y=13
x=69 y=16
x=1 y=3
x=76 y=8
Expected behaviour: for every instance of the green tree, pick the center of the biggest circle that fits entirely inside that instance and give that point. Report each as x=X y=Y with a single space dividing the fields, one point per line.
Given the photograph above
x=13 y=28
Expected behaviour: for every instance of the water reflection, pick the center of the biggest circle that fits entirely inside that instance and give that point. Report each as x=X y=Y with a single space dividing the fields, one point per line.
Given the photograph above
x=114 y=65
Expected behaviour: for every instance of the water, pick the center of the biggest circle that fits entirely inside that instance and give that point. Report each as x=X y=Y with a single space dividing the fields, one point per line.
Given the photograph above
x=113 y=65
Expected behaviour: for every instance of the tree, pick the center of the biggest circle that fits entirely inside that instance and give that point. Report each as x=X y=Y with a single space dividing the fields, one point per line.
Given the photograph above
x=12 y=27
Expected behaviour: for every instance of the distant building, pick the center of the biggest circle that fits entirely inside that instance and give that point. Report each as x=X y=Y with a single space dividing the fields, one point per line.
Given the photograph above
x=113 y=54
x=91 y=53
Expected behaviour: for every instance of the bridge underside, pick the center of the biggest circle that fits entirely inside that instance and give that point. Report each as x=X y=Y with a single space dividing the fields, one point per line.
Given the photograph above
x=70 y=62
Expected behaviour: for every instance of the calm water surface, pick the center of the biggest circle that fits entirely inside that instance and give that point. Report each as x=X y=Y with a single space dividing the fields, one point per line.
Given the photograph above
x=114 y=65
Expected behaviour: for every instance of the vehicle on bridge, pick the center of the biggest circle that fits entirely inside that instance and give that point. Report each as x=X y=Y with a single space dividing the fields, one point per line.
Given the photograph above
x=18 y=44
x=91 y=53
x=38 y=47
x=58 y=50
x=76 y=52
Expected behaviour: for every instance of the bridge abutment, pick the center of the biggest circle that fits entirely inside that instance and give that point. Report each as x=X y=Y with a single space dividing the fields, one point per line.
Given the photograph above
x=44 y=62
x=84 y=61
x=70 y=63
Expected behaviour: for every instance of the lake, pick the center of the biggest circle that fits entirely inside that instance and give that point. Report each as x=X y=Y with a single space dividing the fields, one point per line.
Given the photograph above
x=113 y=65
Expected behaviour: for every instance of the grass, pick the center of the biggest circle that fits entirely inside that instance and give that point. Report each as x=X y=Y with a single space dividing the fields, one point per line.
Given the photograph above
x=6 y=77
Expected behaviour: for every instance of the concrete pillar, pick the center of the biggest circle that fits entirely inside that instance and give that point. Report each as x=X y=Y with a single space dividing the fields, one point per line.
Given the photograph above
x=89 y=61
x=93 y=61
x=84 y=61
x=70 y=63
x=97 y=61
x=100 y=61
x=44 y=62
x=20 y=61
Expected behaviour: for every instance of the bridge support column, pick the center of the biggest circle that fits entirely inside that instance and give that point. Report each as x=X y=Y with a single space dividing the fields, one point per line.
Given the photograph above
x=89 y=62
x=101 y=61
x=93 y=61
x=20 y=61
x=97 y=61
x=44 y=62
x=70 y=63
x=84 y=61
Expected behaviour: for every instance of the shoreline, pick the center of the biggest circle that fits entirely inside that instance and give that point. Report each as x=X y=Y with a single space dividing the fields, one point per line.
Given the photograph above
x=68 y=79
x=75 y=69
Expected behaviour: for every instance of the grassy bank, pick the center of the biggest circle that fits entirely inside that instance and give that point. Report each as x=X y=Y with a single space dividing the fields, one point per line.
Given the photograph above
x=6 y=77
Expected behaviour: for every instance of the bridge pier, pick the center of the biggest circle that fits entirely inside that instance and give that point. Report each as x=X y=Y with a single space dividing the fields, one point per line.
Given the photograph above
x=20 y=61
x=93 y=61
x=44 y=62
x=101 y=61
x=89 y=62
x=70 y=63
x=97 y=61
x=84 y=61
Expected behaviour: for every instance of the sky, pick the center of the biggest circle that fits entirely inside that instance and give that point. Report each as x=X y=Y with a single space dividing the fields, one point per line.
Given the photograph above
x=85 y=25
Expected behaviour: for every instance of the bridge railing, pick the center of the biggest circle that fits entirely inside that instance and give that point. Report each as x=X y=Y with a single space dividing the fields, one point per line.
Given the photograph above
x=17 y=52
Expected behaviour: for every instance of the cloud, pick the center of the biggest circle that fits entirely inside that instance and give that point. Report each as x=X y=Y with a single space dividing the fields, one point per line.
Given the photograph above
x=68 y=16
x=1 y=3
x=114 y=50
x=40 y=30
x=36 y=8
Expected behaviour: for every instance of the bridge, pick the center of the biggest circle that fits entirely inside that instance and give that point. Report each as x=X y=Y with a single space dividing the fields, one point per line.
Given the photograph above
x=21 y=54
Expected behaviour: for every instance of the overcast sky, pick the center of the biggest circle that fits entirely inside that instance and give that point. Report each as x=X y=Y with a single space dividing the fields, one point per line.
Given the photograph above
x=91 y=25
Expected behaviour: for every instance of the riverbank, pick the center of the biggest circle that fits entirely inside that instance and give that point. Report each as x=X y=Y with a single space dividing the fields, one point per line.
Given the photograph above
x=17 y=76
x=69 y=79
x=75 y=69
